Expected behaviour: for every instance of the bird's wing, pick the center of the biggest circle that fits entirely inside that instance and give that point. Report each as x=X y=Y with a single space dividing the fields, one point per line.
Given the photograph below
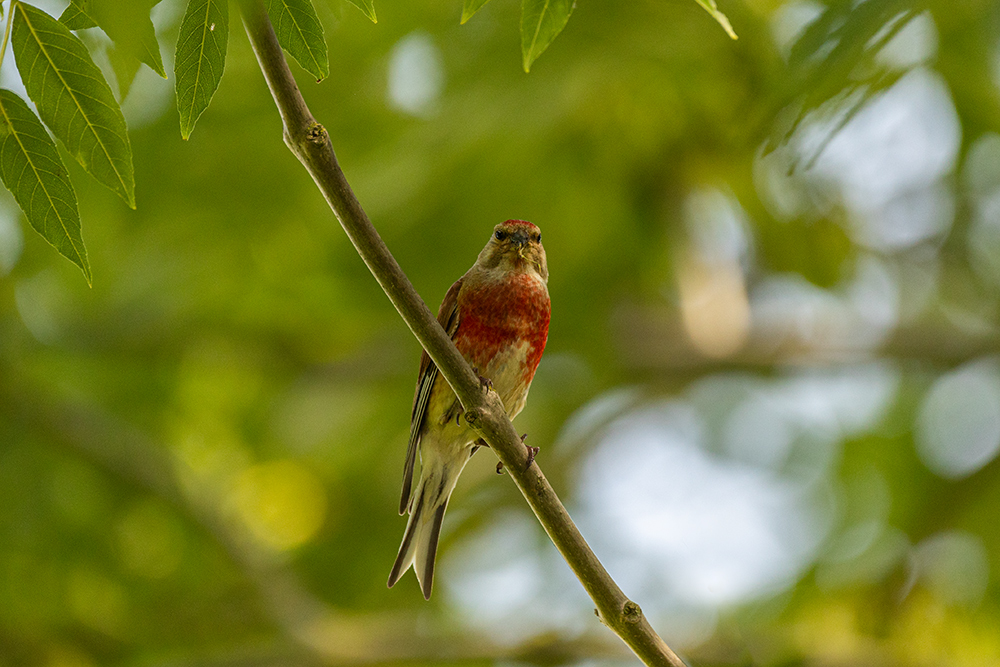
x=448 y=318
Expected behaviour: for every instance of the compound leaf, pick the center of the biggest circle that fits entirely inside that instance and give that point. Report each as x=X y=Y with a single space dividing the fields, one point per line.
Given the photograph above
x=73 y=98
x=713 y=11
x=470 y=7
x=200 y=58
x=541 y=22
x=367 y=7
x=300 y=33
x=32 y=170
x=75 y=18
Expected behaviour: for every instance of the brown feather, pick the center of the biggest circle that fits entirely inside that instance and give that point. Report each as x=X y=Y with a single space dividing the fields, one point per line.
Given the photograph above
x=448 y=318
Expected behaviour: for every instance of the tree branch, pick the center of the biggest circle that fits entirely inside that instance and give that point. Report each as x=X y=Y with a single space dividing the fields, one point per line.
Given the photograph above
x=309 y=142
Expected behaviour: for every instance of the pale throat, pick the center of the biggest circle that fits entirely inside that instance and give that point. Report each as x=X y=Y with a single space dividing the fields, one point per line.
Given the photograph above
x=511 y=270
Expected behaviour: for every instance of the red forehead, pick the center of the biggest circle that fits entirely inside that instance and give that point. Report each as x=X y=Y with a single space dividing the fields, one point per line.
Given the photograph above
x=519 y=223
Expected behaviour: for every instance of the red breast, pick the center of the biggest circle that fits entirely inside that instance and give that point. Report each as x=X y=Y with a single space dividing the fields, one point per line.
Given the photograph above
x=496 y=315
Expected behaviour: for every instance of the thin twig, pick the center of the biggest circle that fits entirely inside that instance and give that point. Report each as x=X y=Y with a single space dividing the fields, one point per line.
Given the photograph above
x=309 y=142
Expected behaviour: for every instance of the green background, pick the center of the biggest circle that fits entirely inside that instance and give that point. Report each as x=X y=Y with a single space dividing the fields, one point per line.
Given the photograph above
x=771 y=395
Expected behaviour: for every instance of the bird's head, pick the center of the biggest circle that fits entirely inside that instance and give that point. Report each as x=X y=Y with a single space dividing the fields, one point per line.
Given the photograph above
x=516 y=245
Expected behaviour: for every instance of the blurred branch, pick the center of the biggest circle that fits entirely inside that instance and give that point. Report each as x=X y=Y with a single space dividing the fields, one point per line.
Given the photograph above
x=652 y=339
x=309 y=142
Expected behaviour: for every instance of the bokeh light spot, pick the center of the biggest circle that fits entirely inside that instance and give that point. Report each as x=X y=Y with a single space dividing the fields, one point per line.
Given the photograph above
x=713 y=296
x=11 y=239
x=497 y=576
x=958 y=427
x=79 y=493
x=888 y=161
x=416 y=75
x=150 y=540
x=714 y=307
x=282 y=503
x=981 y=174
x=710 y=531
x=68 y=656
x=954 y=565
x=36 y=299
x=915 y=43
x=98 y=602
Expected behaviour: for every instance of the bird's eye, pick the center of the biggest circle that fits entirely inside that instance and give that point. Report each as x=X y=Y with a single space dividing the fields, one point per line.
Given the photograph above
x=499 y=235
x=538 y=237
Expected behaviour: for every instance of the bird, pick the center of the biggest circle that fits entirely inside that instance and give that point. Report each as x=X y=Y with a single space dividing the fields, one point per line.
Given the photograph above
x=498 y=316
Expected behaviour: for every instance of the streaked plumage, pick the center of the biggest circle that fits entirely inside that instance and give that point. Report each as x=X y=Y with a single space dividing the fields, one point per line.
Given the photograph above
x=498 y=316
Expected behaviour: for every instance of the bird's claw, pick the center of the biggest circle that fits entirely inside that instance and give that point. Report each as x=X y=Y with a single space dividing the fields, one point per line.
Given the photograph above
x=532 y=453
x=484 y=382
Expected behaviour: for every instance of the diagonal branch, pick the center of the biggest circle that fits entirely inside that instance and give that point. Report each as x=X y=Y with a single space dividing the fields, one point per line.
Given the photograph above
x=309 y=142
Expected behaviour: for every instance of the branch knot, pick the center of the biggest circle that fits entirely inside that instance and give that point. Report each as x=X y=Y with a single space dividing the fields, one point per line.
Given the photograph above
x=317 y=133
x=473 y=416
x=631 y=613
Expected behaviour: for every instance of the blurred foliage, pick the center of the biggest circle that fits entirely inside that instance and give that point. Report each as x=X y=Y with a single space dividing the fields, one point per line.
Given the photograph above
x=775 y=270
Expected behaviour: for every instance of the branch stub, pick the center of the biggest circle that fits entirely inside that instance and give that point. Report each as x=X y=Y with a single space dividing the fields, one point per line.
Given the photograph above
x=317 y=133
x=631 y=613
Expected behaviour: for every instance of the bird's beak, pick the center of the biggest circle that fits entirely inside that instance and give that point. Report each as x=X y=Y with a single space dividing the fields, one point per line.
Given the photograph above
x=520 y=239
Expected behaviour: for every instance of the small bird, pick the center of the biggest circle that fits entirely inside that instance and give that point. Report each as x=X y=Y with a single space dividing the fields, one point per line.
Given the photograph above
x=498 y=316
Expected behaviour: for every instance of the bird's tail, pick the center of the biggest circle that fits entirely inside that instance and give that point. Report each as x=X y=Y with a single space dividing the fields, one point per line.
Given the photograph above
x=427 y=507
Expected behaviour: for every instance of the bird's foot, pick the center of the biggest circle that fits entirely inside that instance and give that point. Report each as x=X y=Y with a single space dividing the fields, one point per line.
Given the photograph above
x=484 y=382
x=532 y=453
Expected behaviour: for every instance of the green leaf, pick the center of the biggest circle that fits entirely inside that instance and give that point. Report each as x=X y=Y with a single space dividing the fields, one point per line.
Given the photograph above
x=470 y=7
x=73 y=98
x=34 y=173
x=710 y=7
x=74 y=18
x=541 y=22
x=128 y=25
x=301 y=34
x=367 y=7
x=125 y=67
x=200 y=58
